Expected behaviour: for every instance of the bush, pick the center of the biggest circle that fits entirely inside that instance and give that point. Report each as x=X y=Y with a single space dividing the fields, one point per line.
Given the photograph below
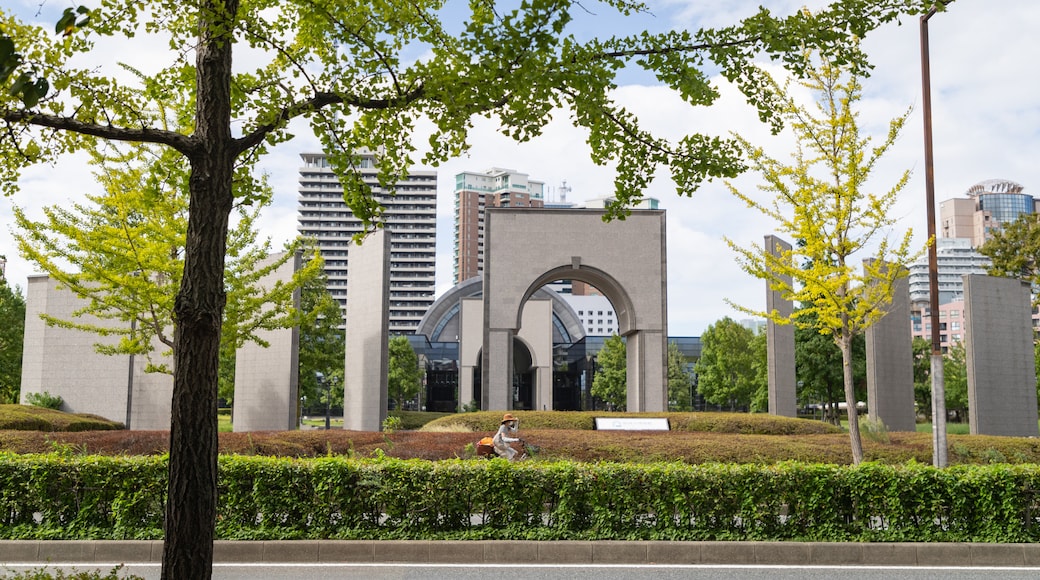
x=31 y=418
x=751 y=424
x=267 y=498
x=44 y=574
x=44 y=399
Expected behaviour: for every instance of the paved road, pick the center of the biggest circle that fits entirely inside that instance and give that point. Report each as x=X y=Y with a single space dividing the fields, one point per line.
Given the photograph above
x=273 y=571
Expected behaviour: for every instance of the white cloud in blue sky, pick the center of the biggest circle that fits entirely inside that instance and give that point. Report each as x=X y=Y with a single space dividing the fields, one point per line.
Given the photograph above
x=986 y=101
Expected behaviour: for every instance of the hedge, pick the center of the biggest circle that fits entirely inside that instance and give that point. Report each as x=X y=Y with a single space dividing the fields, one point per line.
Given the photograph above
x=59 y=496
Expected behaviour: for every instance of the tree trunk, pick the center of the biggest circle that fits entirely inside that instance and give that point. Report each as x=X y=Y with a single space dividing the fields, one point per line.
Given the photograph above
x=845 y=344
x=199 y=308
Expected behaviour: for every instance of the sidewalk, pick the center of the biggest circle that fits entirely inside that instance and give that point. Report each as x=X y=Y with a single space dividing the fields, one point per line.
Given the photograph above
x=562 y=552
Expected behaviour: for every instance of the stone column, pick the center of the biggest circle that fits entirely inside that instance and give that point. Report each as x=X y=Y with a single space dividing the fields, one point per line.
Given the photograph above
x=999 y=351
x=890 y=363
x=783 y=393
x=367 y=334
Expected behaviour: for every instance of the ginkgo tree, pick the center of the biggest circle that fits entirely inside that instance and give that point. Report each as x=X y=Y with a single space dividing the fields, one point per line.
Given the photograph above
x=122 y=251
x=364 y=74
x=822 y=200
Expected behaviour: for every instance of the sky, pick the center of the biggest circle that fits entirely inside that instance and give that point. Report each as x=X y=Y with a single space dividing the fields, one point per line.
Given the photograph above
x=985 y=91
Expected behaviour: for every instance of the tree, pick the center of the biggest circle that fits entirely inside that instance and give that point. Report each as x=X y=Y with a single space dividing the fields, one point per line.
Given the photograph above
x=122 y=253
x=322 y=341
x=820 y=200
x=923 y=376
x=350 y=69
x=610 y=383
x=404 y=377
x=726 y=373
x=680 y=380
x=12 y=333
x=819 y=370
x=760 y=364
x=1014 y=249
x=955 y=379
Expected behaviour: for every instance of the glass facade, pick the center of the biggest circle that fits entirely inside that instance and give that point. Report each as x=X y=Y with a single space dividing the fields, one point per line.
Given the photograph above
x=1005 y=207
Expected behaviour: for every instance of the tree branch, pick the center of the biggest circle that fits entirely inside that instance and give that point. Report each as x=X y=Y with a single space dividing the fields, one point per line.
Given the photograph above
x=182 y=143
x=320 y=101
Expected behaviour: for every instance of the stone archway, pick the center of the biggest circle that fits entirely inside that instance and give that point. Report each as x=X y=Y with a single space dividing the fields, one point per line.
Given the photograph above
x=625 y=259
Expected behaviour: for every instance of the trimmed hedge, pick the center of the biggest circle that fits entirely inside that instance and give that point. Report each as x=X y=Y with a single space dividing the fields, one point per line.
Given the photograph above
x=65 y=497
x=743 y=423
x=31 y=418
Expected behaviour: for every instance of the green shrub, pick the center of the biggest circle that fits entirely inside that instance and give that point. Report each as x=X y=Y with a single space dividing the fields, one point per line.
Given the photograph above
x=44 y=574
x=44 y=399
x=270 y=498
x=745 y=423
x=32 y=418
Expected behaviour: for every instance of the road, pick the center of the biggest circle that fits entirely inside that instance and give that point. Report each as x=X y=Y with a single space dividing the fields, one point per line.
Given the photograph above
x=270 y=571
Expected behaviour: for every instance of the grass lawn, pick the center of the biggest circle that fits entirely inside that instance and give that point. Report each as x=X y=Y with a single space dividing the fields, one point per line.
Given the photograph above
x=953 y=428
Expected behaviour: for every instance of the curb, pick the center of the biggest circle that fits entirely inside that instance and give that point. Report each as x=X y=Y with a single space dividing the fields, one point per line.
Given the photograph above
x=540 y=552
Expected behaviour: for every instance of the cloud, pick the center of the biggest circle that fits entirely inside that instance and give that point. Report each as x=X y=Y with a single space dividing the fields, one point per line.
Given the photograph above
x=986 y=119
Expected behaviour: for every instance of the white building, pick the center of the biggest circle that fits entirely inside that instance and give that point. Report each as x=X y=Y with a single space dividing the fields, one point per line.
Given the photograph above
x=411 y=221
x=596 y=314
x=955 y=258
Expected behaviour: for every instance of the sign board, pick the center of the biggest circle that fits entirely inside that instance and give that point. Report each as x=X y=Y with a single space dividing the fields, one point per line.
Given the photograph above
x=631 y=424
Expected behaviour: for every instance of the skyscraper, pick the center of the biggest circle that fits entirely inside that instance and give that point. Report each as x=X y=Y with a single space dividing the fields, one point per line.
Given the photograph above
x=495 y=187
x=411 y=221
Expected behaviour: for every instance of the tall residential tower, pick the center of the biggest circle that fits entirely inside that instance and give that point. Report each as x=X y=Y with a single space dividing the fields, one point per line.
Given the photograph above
x=411 y=221
x=495 y=187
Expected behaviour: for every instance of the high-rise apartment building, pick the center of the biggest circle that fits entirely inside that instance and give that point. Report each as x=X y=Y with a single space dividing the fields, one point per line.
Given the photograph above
x=495 y=187
x=411 y=222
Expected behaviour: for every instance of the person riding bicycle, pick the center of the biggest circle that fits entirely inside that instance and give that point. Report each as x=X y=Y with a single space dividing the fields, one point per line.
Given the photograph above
x=506 y=434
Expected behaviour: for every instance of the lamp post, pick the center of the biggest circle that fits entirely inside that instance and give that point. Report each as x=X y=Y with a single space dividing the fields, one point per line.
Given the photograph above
x=938 y=387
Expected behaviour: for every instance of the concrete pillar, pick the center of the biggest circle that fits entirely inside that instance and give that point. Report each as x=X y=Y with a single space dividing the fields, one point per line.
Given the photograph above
x=367 y=334
x=999 y=352
x=890 y=364
x=783 y=390
x=267 y=378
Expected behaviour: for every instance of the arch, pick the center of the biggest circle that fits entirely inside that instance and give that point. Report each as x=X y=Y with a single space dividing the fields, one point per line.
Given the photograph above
x=525 y=249
x=603 y=282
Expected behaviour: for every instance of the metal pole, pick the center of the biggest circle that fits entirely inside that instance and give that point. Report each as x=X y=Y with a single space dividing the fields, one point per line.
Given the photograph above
x=938 y=387
x=130 y=379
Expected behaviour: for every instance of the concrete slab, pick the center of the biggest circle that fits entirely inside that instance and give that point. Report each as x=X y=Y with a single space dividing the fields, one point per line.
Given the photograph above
x=610 y=552
x=292 y=551
x=507 y=551
x=347 y=551
x=727 y=553
x=238 y=551
x=458 y=552
x=67 y=551
x=835 y=553
x=402 y=551
x=570 y=552
x=997 y=555
x=943 y=554
x=674 y=552
x=889 y=554
x=782 y=553
x=1031 y=553
x=19 y=551
x=127 y=551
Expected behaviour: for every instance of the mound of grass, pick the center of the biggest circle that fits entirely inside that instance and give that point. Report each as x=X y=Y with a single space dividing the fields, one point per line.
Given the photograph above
x=30 y=418
x=743 y=423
